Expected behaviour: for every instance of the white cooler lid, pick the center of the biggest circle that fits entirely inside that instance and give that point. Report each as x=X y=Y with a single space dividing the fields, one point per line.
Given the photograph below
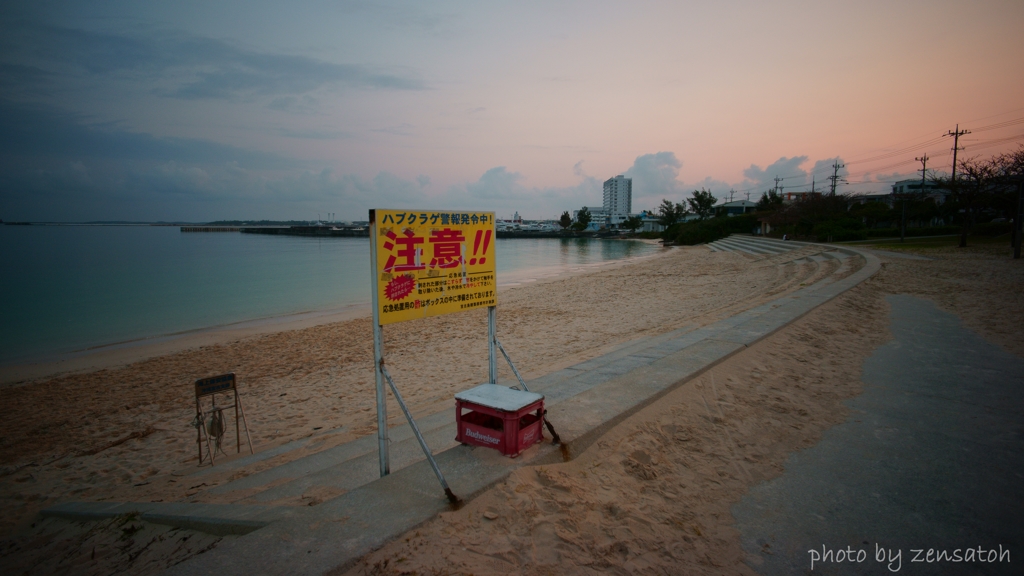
x=499 y=397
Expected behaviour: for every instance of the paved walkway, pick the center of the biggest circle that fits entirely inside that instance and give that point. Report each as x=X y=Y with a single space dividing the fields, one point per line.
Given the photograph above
x=931 y=457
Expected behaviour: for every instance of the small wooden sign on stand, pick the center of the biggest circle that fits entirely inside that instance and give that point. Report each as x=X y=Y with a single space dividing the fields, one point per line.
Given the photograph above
x=223 y=384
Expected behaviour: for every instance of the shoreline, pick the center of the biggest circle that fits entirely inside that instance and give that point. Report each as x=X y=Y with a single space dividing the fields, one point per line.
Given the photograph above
x=117 y=354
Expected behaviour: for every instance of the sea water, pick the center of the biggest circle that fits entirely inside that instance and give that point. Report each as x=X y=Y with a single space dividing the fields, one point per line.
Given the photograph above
x=68 y=288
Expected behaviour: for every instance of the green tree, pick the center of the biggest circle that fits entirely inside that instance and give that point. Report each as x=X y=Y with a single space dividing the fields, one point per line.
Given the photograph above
x=632 y=223
x=770 y=201
x=702 y=204
x=565 y=221
x=582 y=219
x=972 y=189
x=670 y=213
x=871 y=213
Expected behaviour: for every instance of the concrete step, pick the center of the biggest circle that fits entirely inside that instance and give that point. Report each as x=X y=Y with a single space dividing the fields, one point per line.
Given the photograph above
x=217 y=519
x=755 y=243
x=727 y=246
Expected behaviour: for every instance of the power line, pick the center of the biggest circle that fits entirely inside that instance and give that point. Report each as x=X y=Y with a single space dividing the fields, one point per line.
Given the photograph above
x=994 y=141
x=996 y=115
x=898 y=152
x=881 y=169
x=913 y=148
x=1000 y=125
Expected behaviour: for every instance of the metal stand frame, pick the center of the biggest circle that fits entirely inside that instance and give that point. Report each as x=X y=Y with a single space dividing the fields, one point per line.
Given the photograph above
x=378 y=362
x=202 y=432
x=492 y=339
x=555 y=438
x=511 y=365
x=419 y=437
x=381 y=376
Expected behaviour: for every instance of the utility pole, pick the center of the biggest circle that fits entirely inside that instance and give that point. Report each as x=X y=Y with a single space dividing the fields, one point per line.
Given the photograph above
x=777 y=180
x=956 y=134
x=924 y=166
x=835 y=175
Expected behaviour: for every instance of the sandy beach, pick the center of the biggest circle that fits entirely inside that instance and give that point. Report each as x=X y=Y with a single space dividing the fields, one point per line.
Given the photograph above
x=652 y=494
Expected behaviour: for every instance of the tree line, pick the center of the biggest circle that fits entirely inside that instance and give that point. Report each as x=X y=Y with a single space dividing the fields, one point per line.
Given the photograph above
x=982 y=199
x=990 y=185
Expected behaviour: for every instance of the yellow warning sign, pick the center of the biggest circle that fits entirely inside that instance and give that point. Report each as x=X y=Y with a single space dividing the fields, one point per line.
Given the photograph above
x=429 y=262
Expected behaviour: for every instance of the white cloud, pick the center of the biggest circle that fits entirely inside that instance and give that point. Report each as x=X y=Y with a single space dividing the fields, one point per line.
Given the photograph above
x=656 y=175
x=496 y=183
x=504 y=192
x=761 y=179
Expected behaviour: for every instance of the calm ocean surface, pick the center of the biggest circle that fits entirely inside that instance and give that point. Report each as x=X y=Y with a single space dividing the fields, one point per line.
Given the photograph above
x=67 y=288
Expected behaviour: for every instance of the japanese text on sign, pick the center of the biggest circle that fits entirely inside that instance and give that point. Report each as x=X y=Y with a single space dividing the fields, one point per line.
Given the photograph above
x=431 y=263
x=215 y=384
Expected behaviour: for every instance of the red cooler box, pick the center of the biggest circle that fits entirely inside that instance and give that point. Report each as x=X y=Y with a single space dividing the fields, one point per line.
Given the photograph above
x=499 y=417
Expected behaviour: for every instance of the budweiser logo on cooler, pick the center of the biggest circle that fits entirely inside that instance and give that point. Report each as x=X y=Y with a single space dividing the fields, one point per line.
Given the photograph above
x=483 y=437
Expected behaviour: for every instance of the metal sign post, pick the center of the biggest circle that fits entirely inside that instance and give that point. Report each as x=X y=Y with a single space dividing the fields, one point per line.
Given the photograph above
x=378 y=360
x=427 y=263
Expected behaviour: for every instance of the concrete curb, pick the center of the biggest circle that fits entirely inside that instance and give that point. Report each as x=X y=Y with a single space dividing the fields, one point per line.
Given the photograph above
x=216 y=519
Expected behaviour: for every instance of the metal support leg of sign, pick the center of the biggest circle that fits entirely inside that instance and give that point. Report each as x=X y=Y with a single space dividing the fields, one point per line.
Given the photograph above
x=405 y=287
x=378 y=364
x=554 y=435
x=511 y=365
x=419 y=437
x=382 y=406
x=492 y=338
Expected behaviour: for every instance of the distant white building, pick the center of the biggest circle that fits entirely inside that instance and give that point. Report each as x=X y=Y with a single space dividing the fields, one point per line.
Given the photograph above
x=886 y=199
x=618 y=199
x=650 y=222
x=736 y=207
x=932 y=190
x=598 y=217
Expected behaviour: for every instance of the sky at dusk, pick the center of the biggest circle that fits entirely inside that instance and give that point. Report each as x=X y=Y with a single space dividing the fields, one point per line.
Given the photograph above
x=199 y=111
